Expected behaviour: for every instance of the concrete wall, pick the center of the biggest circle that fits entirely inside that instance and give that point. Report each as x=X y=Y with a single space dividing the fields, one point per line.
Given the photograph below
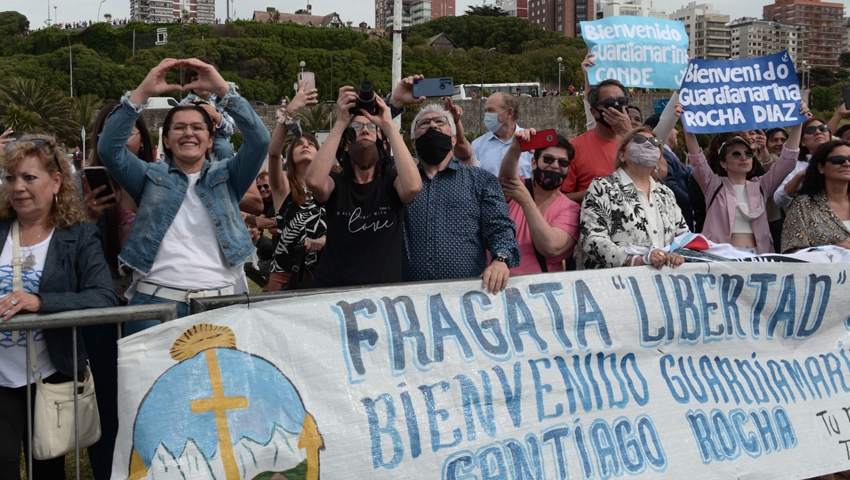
x=539 y=113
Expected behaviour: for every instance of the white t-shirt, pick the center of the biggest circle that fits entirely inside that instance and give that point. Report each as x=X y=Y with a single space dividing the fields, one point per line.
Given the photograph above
x=189 y=256
x=742 y=224
x=13 y=351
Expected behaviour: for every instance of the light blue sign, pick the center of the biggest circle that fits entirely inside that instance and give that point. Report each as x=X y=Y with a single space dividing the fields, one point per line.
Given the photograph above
x=729 y=95
x=659 y=105
x=640 y=52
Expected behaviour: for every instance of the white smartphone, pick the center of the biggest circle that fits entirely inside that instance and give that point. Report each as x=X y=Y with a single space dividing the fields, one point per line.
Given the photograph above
x=309 y=77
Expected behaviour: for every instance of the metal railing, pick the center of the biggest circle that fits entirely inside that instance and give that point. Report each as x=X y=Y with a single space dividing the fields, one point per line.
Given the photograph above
x=78 y=318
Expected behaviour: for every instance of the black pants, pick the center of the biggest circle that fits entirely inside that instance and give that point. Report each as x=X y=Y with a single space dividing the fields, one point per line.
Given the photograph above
x=13 y=434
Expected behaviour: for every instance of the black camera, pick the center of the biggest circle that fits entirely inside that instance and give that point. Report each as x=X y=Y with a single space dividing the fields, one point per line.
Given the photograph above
x=365 y=99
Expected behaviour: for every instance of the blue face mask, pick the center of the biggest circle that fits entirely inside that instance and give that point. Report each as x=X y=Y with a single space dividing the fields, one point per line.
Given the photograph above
x=491 y=121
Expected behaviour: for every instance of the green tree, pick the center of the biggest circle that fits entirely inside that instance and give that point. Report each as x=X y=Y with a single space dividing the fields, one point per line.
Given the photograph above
x=315 y=118
x=13 y=23
x=85 y=110
x=30 y=105
x=486 y=11
x=572 y=108
x=843 y=59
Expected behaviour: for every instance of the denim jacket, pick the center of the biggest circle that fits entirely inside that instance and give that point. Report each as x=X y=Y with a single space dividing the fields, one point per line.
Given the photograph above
x=75 y=277
x=159 y=188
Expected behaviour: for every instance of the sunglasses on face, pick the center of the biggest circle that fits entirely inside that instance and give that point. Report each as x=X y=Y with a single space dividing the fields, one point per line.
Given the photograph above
x=357 y=126
x=742 y=154
x=549 y=160
x=610 y=102
x=39 y=143
x=838 y=159
x=654 y=141
x=811 y=129
x=264 y=186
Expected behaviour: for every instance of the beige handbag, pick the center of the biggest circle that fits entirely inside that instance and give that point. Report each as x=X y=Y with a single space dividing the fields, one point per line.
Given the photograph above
x=54 y=411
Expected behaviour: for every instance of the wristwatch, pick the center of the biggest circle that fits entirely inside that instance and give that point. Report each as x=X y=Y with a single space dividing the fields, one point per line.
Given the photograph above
x=501 y=257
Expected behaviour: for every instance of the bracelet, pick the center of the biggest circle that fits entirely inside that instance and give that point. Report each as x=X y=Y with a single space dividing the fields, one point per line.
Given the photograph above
x=634 y=259
x=764 y=164
x=645 y=258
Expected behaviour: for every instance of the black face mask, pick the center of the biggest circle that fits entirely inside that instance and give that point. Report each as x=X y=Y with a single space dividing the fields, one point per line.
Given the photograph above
x=433 y=146
x=547 y=179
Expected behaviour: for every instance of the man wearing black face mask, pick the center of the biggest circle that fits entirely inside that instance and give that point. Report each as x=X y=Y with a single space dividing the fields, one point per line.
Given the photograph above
x=547 y=222
x=596 y=148
x=364 y=204
x=459 y=216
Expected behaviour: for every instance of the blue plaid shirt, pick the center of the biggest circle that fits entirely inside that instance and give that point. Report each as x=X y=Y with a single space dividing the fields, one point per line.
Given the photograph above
x=458 y=217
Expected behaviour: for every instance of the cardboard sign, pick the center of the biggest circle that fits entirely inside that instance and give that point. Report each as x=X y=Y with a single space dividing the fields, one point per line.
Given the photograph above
x=720 y=370
x=638 y=51
x=729 y=95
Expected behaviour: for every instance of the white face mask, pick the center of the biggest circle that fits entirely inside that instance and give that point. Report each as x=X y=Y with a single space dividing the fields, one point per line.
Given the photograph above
x=644 y=154
x=491 y=121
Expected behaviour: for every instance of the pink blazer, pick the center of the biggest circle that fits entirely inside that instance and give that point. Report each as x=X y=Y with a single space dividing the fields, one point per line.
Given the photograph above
x=721 y=214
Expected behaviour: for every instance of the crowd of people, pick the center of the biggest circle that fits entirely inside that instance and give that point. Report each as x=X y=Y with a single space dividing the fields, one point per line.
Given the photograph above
x=358 y=209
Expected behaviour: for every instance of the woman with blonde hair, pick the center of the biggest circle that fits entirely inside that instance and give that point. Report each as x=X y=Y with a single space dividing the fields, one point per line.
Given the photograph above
x=62 y=268
x=627 y=218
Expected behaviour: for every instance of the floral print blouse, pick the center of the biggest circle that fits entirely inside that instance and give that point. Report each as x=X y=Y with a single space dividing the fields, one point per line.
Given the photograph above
x=612 y=218
x=811 y=222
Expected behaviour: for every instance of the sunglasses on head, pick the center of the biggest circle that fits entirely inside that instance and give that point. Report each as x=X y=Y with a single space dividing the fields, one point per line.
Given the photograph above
x=742 y=154
x=39 y=143
x=549 y=160
x=610 y=102
x=838 y=159
x=811 y=129
x=654 y=141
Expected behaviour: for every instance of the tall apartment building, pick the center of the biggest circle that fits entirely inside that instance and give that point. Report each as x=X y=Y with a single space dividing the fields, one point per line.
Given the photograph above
x=168 y=11
x=636 y=8
x=752 y=38
x=515 y=8
x=422 y=11
x=561 y=15
x=821 y=28
x=707 y=31
x=384 y=13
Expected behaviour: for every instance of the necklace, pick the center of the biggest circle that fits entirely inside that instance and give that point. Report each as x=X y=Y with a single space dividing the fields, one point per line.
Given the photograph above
x=29 y=260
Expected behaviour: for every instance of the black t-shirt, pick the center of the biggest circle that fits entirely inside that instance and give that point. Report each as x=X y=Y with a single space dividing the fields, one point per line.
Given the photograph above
x=365 y=233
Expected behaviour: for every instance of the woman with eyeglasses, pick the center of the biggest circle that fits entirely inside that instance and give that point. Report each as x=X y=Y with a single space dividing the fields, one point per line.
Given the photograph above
x=820 y=214
x=736 y=203
x=188 y=239
x=627 y=218
x=815 y=134
x=300 y=218
x=546 y=220
x=61 y=268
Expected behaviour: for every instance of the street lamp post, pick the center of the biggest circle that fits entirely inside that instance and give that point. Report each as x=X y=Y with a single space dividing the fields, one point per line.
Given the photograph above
x=560 y=69
x=71 y=64
x=303 y=64
x=333 y=47
x=98 y=9
x=48 y=13
x=481 y=92
x=55 y=14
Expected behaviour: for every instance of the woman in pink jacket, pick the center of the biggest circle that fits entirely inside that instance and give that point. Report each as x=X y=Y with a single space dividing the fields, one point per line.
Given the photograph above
x=735 y=199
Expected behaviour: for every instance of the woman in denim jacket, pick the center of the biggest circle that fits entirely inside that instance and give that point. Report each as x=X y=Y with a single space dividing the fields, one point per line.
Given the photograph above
x=186 y=203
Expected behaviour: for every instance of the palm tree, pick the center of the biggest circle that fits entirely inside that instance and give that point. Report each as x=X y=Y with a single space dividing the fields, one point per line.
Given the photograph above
x=85 y=109
x=315 y=118
x=31 y=105
x=572 y=108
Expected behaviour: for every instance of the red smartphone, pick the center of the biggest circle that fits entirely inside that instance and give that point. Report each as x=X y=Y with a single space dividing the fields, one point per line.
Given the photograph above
x=541 y=139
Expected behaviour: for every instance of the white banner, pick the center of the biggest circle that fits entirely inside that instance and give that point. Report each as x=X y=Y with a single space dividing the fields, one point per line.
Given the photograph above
x=722 y=370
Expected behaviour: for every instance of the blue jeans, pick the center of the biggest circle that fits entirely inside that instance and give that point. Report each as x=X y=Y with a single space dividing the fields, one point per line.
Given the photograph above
x=183 y=310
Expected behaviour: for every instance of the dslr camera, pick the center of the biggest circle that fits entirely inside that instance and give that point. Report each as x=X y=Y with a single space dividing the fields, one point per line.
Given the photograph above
x=365 y=99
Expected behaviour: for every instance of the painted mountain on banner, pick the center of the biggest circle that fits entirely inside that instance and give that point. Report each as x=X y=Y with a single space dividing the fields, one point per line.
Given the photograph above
x=278 y=455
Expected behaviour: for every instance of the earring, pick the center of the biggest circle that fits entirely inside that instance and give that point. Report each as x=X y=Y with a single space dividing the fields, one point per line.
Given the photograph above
x=55 y=200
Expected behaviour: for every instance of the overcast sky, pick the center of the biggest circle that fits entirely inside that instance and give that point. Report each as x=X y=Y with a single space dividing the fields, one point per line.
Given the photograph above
x=350 y=10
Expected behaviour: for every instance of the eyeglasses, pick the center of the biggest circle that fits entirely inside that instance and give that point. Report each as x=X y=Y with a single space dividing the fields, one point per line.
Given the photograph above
x=357 y=126
x=424 y=123
x=742 y=154
x=811 y=129
x=196 y=127
x=654 y=141
x=610 y=102
x=264 y=186
x=838 y=159
x=549 y=160
x=39 y=143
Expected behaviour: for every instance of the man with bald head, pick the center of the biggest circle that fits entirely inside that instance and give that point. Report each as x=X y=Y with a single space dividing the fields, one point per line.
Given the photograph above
x=501 y=112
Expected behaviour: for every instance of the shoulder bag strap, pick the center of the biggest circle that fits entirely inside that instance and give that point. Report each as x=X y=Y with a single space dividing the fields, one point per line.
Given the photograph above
x=540 y=259
x=17 y=282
